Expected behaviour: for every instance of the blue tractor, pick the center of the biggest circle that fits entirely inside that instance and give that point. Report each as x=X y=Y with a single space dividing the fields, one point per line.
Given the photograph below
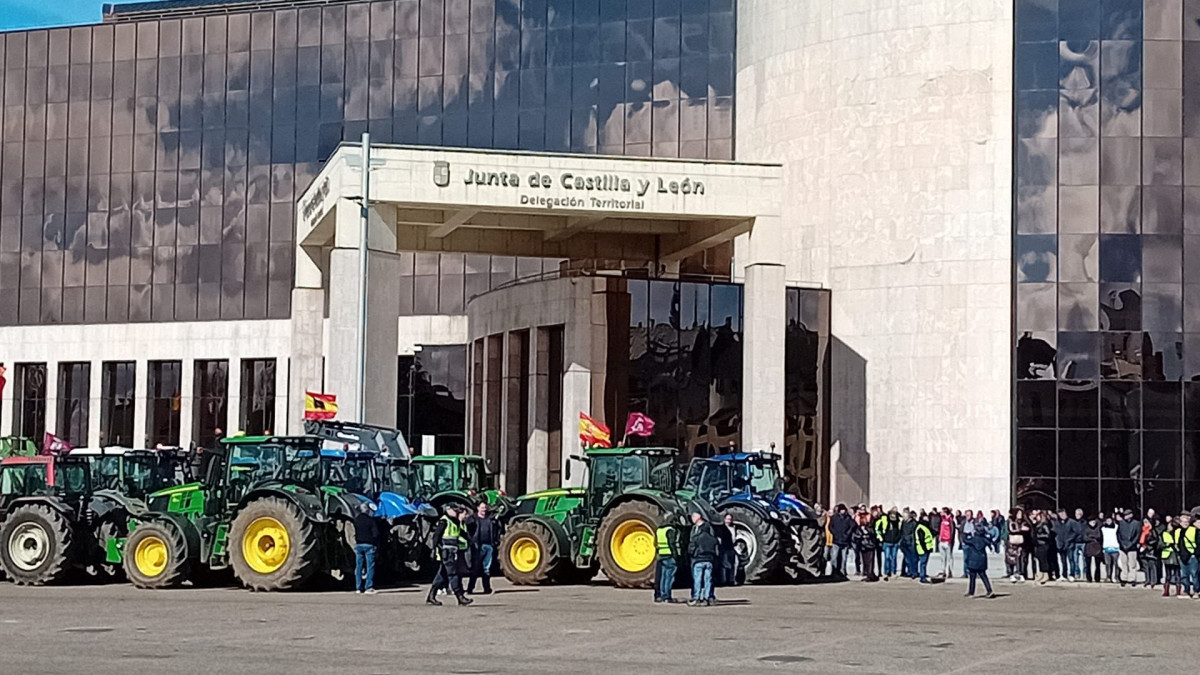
x=777 y=536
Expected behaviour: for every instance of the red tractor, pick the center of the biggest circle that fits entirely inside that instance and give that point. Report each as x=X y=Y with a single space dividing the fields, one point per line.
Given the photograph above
x=46 y=528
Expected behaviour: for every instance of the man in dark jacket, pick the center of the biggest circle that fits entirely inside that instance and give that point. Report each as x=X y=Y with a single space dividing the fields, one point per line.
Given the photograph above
x=450 y=533
x=1063 y=543
x=866 y=544
x=841 y=527
x=908 y=545
x=726 y=572
x=366 y=543
x=1129 y=531
x=485 y=537
x=702 y=549
x=888 y=531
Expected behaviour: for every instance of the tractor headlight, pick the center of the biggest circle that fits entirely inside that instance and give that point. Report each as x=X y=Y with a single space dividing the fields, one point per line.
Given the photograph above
x=773 y=515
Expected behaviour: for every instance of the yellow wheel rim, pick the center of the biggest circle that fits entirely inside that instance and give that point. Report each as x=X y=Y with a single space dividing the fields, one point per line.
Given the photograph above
x=266 y=545
x=151 y=556
x=632 y=546
x=525 y=554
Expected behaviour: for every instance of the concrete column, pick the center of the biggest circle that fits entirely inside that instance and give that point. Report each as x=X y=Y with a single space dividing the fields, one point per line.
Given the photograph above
x=537 y=450
x=8 y=400
x=578 y=367
x=383 y=306
x=187 y=402
x=306 y=365
x=763 y=358
x=95 y=401
x=51 y=400
x=282 y=392
x=233 y=397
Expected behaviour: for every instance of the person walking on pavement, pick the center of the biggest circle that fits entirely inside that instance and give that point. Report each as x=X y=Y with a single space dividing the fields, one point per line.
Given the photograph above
x=702 y=550
x=452 y=540
x=366 y=543
x=485 y=537
x=923 y=544
x=946 y=532
x=727 y=573
x=841 y=527
x=975 y=554
x=666 y=542
x=1170 y=559
x=1185 y=545
x=1129 y=531
x=887 y=530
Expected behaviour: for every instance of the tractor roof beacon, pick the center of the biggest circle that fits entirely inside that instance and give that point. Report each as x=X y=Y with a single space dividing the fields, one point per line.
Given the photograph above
x=258 y=511
x=776 y=534
x=568 y=534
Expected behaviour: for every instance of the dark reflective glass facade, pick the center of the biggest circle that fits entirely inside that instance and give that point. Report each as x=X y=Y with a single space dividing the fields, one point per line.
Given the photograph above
x=148 y=169
x=117 y=404
x=1107 y=254
x=432 y=397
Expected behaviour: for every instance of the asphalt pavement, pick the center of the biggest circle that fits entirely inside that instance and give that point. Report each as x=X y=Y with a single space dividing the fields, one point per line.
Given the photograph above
x=894 y=627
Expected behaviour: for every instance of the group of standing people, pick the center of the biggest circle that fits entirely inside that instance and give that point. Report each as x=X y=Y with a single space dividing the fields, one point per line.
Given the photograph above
x=1104 y=548
x=711 y=553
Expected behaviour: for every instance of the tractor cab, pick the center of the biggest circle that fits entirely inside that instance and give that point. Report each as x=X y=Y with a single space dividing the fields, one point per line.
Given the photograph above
x=722 y=476
x=17 y=446
x=616 y=471
x=452 y=473
x=133 y=473
x=44 y=475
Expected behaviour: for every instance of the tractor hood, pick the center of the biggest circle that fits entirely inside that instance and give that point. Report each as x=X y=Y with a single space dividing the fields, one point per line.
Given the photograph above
x=791 y=504
x=392 y=505
x=555 y=492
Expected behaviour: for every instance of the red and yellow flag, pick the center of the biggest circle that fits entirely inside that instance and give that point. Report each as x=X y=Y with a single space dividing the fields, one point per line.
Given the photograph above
x=320 y=406
x=593 y=433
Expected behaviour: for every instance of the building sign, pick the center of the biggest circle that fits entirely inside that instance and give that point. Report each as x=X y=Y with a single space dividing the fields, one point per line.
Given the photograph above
x=570 y=189
x=313 y=205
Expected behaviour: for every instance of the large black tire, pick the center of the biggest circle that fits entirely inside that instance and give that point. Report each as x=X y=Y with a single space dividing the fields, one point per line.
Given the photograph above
x=163 y=563
x=643 y=518
x=538 y=547
x=302 y=557
x=806 y=559
x=36 y=545
x=342 y=571
x=759 y=543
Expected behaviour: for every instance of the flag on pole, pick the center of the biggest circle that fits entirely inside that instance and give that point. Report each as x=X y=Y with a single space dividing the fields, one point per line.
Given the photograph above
x=639 y=425
x=53 y=445
x=593 y=433
x=3 y=381
x=320 y=406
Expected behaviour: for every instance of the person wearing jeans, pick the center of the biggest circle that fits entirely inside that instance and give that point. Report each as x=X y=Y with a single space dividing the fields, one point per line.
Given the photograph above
x=1185 y=545
x=946 y=532
x=366 y=538
x=702 y=549
x=485 y=537
x=887 y=530
x=841 y=528
x=667 y=547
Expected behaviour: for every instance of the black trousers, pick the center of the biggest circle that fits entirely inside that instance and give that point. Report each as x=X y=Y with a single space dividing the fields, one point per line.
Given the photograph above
x=448 y=577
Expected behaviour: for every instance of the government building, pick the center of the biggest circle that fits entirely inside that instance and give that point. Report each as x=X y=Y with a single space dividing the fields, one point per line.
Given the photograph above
x=931 y=252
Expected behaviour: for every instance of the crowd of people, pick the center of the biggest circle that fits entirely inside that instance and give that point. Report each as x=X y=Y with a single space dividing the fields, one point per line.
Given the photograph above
x=1039 y=546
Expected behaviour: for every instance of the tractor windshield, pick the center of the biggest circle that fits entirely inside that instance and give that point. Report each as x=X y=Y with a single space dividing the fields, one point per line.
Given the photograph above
x=106 y=472
x=402 y=480
x=761 y=476
x=147 y=473
x=72 y=477
x=360 y=475
x=438 y=475
x=23 y=479
x=662 y=474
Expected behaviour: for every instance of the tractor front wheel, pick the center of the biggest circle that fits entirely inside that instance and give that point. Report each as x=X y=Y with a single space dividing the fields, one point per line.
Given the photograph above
x=273 y=547
x=625 y=543
x=155 y=556
x=758 y=543
x=36 y=545
x=529 y=553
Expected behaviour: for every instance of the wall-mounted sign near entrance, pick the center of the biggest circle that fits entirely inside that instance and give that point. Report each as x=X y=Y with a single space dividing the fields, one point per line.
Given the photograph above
x=312 y=207
x=569 y=189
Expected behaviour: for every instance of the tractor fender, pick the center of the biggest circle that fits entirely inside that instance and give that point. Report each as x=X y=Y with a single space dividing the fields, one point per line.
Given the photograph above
x=457 y=497
x=565 y=549
x=664 y=501
x=179 y=522
x=764 y=509
x=794 y=507
x=107 y=502
x=344 y=505
x=392 y=505
x=309 y=504
x=47 y=501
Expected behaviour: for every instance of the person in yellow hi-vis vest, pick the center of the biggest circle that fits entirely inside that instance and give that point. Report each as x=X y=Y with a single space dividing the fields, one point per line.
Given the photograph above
x=666 y=542
x=1170 y=559
x=923 y=537
x=1186 y=545
x=451 y=534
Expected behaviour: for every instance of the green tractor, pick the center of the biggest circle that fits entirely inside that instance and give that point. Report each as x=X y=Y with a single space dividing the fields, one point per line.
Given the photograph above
x=260 y=511
x=17 y=446
x=566 y=535
x=459 y=480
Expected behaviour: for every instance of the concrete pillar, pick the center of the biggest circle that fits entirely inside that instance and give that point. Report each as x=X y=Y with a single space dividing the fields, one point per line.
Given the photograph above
x=579 y=367
x=95 y=401
x=51 y=400
x=187 y=402
x=763 y=358
x=537 y=450
x=306 y=366
x=233 y=397
x=282 y=392
x=383 y=306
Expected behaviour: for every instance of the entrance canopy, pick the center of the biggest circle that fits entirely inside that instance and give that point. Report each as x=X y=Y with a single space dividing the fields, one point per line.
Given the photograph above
x=532 y=204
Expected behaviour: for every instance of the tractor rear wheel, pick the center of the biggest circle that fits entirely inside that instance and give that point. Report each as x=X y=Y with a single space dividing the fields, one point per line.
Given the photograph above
x=155 y=556
x=36 y=545
x=759 y=545
x=272 y=546
x=529 y=553
x=625 y=544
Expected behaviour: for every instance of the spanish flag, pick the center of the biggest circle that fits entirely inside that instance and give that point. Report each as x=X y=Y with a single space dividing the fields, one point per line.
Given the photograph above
x=319 y=406
x=593 y=433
